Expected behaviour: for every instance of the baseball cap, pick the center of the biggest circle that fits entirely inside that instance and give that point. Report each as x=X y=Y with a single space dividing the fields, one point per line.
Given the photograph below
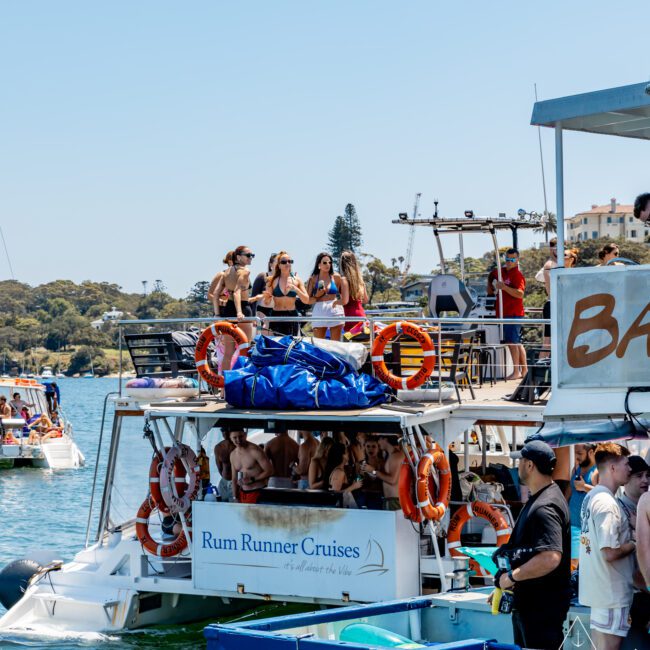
x=539 y=453
x=637 y=464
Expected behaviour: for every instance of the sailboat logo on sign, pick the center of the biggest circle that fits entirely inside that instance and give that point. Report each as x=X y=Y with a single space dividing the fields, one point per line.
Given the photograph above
x=577 y=637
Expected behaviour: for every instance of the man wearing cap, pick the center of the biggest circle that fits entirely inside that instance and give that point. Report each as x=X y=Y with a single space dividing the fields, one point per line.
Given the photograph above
x=539 y=554
x=607 y=551
x=636 y=486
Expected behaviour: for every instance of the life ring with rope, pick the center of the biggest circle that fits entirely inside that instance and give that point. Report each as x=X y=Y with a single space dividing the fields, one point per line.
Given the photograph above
x=179 y=460
x=463 y=515
x=170 y=549
x=208 y=335
x=433 y=505
x=154 y=481
x=428 y=352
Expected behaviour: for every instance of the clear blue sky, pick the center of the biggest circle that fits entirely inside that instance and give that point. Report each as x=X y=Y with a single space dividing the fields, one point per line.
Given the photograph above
x=141 y=140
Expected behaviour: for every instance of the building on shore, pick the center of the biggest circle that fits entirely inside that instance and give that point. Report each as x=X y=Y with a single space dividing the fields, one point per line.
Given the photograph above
x=611 y=220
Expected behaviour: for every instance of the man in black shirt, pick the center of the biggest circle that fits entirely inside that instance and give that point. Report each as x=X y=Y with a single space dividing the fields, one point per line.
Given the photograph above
x=539 y=554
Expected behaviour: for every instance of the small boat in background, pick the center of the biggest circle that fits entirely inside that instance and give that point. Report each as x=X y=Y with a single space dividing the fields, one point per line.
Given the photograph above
x=46 y=372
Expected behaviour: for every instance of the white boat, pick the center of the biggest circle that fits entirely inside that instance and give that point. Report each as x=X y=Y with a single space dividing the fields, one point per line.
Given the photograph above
x=46 y=372
x=309 y=551
x=55 y=449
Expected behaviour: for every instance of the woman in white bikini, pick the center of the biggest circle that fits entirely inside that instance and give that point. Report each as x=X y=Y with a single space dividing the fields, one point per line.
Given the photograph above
x=328 y=293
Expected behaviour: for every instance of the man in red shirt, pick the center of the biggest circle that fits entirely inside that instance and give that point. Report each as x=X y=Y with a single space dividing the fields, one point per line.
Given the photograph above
x=512 y=290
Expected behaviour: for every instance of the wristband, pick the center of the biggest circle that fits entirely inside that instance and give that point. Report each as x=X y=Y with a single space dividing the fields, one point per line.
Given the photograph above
x=510 y=576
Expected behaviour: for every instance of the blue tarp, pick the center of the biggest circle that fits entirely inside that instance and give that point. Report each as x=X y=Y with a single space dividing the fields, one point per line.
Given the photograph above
x=287 y=373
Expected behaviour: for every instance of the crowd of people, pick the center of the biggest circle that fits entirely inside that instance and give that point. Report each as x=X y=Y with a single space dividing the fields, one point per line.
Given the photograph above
x=279 y=293
x=37 y=427
x=610 y=505
x=363 y=469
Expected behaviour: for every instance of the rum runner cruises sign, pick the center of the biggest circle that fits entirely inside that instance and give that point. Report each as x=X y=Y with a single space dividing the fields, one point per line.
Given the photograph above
x=317 y=553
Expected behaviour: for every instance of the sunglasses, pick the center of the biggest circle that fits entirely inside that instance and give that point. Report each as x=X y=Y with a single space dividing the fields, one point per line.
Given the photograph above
x=286 y=261
x=251 y=255
x=326 y=261
x=511 y=259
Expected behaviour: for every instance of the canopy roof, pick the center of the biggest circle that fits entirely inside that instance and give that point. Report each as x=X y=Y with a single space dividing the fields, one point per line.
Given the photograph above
x=474 y=224
x=622 y=111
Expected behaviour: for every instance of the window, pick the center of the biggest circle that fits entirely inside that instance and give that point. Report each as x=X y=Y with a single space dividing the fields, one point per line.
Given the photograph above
x=632 y=233
x=609 y=220
x=594 y=235
x=621 y=219
x=629 y=219
x=585 y=220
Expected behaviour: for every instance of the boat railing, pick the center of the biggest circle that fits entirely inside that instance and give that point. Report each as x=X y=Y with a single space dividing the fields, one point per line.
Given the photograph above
x=489 y=357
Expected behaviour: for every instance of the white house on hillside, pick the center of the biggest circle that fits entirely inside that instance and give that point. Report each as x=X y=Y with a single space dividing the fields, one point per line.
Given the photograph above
x=107 y=317
x=612 y=220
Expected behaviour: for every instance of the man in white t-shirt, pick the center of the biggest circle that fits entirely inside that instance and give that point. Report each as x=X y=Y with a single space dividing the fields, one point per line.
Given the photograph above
x=607 y=551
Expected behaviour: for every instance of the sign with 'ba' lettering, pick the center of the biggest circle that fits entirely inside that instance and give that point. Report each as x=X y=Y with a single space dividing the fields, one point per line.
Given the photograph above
x=318 y=553
x=603 y=327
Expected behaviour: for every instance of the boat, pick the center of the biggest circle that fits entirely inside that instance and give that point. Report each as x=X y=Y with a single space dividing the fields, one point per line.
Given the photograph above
x=300 y=546
x=55 y=449
x=408 y=623
x=46 y=372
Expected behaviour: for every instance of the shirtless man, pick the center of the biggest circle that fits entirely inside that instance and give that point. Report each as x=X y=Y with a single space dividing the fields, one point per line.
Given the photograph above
x=390 y=474
x=5 y=409
x=251 y=468
x=282 y=451
x=222 y=451
x=306 y=452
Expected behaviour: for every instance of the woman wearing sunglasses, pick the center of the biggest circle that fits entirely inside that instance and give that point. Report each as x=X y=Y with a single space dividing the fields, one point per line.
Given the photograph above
x=236 y=280
x=284 y=287
x=328 y=293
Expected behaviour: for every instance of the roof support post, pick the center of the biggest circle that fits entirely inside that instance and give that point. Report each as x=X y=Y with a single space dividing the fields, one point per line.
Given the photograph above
x=559 y=192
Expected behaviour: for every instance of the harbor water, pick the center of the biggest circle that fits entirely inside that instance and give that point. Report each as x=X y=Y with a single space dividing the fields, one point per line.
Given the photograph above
x=46 y=510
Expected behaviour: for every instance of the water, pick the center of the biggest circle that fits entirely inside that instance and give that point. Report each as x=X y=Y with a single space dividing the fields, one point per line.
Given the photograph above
x=44 y=509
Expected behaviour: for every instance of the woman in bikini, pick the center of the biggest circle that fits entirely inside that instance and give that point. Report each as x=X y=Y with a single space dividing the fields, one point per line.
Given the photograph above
x=337 y=461
x=284 y=287
x=316 y=473
x=324 y=288
x=218 y=299
x=236 y=280
x=356 y=287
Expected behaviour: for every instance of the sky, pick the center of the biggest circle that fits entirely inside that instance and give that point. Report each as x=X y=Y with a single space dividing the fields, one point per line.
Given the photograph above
x=142 y=140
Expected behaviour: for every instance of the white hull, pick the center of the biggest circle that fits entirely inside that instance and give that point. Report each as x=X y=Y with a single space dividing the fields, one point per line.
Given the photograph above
x=57 y=453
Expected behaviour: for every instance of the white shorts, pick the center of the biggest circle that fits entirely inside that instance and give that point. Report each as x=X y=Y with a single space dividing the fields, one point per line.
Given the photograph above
x=327 y=314
x=615 y=621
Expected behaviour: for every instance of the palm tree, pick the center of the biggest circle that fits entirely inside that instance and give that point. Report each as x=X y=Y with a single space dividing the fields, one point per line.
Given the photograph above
x=549 y=225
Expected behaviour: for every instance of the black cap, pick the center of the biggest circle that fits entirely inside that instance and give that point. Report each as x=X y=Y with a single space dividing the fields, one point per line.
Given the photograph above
x=637 y=464
x=538 y=452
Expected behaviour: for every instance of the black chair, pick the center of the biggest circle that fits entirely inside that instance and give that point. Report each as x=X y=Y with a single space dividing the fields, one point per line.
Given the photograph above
x=163 y=354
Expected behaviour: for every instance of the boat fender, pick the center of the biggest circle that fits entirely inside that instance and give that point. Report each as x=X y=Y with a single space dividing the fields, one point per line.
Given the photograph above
x=208 y=335
x=14 y=579
x=428 y=353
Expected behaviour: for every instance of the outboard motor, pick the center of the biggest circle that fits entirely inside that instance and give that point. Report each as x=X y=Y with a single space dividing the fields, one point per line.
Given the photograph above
x=14 y=579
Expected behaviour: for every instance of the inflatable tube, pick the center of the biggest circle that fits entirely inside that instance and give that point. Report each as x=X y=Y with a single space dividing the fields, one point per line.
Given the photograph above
x=428 y=352
x=14 y=579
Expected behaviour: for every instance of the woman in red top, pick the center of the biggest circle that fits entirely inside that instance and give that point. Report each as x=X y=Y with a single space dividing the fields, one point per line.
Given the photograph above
x=357 y=294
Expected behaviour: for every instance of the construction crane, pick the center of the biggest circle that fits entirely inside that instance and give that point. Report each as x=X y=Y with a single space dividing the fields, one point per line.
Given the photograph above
x=409 y=249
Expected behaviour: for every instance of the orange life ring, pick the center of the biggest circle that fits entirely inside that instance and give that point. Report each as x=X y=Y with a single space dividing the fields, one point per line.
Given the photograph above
x=406 y=487
x=428 y=352
x=154 y=481
x=463 y=515
x=433 y=508
x=201 y=351
x=179 y=460
x=149 y=543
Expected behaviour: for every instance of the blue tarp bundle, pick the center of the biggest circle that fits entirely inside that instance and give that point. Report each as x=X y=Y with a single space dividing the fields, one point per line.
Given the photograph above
x=287 y=373
x=562 y=433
